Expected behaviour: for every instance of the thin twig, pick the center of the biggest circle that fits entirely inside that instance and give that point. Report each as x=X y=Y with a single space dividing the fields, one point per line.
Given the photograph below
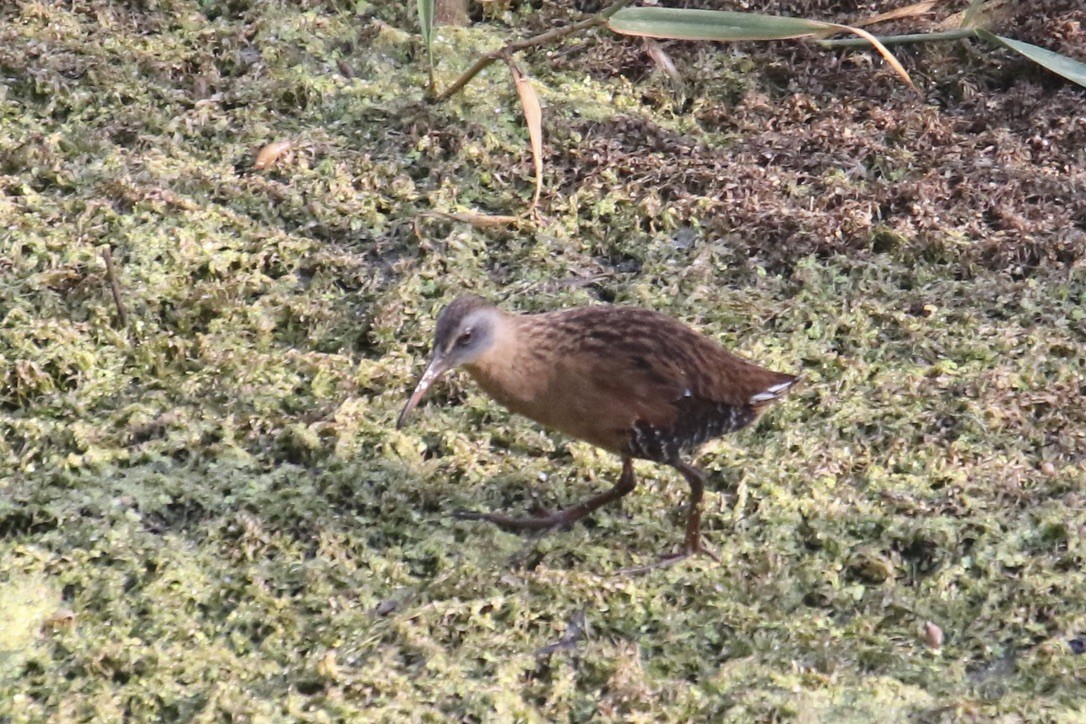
x=115 y=286
x=900 y=39
x=509 y=48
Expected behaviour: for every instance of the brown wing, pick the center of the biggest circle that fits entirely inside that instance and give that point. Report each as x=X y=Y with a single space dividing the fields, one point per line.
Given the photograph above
x=656 y=385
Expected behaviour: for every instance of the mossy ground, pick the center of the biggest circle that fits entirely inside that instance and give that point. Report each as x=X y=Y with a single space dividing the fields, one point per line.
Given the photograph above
x=216 y=490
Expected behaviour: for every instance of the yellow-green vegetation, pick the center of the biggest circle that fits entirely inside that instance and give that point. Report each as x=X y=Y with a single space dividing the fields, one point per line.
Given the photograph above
x=206 y=512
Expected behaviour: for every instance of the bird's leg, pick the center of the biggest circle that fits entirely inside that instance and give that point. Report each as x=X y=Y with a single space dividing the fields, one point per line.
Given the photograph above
x=562 y=518
x=692 y=542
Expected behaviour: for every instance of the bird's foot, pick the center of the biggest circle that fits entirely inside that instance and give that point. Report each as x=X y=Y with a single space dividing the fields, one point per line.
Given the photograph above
x=690 y=548
x=700 y=548
x=543 y=523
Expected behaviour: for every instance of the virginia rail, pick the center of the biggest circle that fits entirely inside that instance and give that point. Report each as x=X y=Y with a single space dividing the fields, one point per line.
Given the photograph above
x=629 y=380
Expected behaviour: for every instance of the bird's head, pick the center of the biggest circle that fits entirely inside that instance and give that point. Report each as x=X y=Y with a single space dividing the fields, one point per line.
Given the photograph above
x=466 y=329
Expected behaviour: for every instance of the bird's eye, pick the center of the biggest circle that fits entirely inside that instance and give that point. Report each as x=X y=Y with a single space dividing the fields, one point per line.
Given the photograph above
x=464 y=339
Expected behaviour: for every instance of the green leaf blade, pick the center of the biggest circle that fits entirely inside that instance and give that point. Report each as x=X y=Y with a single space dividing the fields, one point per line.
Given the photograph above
x=1069 y=68
x=426 y=24
x=687 y=24
x=426 y=21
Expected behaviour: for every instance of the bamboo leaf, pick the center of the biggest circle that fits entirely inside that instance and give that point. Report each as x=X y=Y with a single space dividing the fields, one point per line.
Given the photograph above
x=533 y=116
x=426 y=20
x=684 y=24
x=1069 y=68
x=909 y=11
x=426 y=25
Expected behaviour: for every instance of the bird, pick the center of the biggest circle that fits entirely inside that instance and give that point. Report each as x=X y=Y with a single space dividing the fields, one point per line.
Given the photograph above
x=629 y=380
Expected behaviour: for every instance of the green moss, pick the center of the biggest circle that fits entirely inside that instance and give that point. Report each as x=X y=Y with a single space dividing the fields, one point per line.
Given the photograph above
x=27 y=601
x=218 y=493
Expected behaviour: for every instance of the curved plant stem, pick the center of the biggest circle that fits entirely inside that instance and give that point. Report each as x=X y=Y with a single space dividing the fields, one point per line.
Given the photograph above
x=548 y=37
x=901 y=39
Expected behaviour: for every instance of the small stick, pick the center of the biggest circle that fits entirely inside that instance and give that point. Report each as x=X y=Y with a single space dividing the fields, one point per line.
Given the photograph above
x=508 y=48
x=115 y=286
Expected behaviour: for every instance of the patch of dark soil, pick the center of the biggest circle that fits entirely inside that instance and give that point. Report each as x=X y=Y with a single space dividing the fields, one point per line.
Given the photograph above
x=824 y=154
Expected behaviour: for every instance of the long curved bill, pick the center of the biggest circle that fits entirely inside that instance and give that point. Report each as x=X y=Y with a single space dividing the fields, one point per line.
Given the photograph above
x=430 y=376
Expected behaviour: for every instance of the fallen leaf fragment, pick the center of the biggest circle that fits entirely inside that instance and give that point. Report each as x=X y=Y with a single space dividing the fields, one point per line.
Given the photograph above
x=533 y=117
x=933 y=635
x=270 y=153
x=60 y=619
x=483 y=221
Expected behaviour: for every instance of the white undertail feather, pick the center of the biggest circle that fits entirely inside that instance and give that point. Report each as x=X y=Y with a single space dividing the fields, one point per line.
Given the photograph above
x=771 y=393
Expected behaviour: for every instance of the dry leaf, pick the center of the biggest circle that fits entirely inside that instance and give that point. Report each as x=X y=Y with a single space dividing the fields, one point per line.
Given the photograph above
x=270 y=154
x=933 y=635
x=909 y=11
x=533 y=116
x=663 y=61
x=982 y=15
x=328 y=667
x=61 y=618
x=483 y=221
x=883 y=51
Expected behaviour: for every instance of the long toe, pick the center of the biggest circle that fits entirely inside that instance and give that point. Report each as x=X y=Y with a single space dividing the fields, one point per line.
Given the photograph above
x=468 y=515
x=699 y=548
x=671 y=559
x=538 y=510
x=508 y=523
x=663 y=562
